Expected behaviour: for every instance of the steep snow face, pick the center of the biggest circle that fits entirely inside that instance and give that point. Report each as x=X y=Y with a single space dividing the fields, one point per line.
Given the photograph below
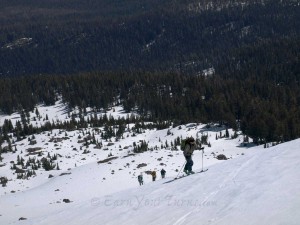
x=261 y=187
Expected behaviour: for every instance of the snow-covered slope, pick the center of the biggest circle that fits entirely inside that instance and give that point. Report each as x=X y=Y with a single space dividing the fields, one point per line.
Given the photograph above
x=260 y=187
x=256 y=186
x=60 y=112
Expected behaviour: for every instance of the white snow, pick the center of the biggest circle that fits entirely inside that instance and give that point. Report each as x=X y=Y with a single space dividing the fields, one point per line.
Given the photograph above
x=255 y=186
x=262 y=187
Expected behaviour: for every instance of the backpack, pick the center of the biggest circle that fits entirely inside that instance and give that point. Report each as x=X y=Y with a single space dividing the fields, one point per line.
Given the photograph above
x=182 y=144
x=186 y=141
x=192 y=145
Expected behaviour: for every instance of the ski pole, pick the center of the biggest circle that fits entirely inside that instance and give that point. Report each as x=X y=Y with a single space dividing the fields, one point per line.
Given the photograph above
x=180 y=170
x=202 y=157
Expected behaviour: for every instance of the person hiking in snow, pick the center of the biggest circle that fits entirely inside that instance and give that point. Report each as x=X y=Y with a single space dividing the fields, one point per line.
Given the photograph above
x=140 y=179
x=153 y=174
x=189 y=147
x=163 y=173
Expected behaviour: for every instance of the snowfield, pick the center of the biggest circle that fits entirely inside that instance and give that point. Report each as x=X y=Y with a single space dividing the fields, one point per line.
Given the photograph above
x=99 y=185
x=262 y=187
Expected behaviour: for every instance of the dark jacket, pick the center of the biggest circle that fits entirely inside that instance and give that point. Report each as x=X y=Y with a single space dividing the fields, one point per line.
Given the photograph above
x=189 y=148
x=140 y=178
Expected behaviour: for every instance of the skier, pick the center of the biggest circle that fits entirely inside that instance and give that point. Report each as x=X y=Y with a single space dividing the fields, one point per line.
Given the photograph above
x=188 y=150
x=140 y=179
x=153 y=174
x=163 y=173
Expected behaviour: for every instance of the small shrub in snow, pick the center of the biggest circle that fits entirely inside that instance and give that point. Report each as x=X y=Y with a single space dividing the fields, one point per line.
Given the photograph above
x=47 y=164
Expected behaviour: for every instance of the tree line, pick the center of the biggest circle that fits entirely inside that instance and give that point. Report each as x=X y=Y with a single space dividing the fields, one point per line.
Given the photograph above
x=261 y=108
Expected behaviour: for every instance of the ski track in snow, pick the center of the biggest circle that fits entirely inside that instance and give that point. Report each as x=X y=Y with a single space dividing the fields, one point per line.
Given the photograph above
x=211 y=195
x=228 y=179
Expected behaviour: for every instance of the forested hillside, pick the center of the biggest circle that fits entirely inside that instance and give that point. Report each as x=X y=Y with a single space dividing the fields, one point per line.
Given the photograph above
x=188 y=36
x=232 y=62
x=265 y=110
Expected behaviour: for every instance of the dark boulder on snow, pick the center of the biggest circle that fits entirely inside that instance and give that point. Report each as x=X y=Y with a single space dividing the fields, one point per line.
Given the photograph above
x=22 y=218
x=63 y=174
x=65 y=200
x=107 y=160
x=141 y=165
x=221 y=157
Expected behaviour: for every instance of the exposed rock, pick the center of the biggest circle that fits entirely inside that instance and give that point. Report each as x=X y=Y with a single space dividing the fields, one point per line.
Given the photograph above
x=131 y=154
x=22 y=218
x=65 y=200
x=31 y=150
x=221 y=157
x=58 y=139
x=141 y=165
x=107 y=160
x=63 y=174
